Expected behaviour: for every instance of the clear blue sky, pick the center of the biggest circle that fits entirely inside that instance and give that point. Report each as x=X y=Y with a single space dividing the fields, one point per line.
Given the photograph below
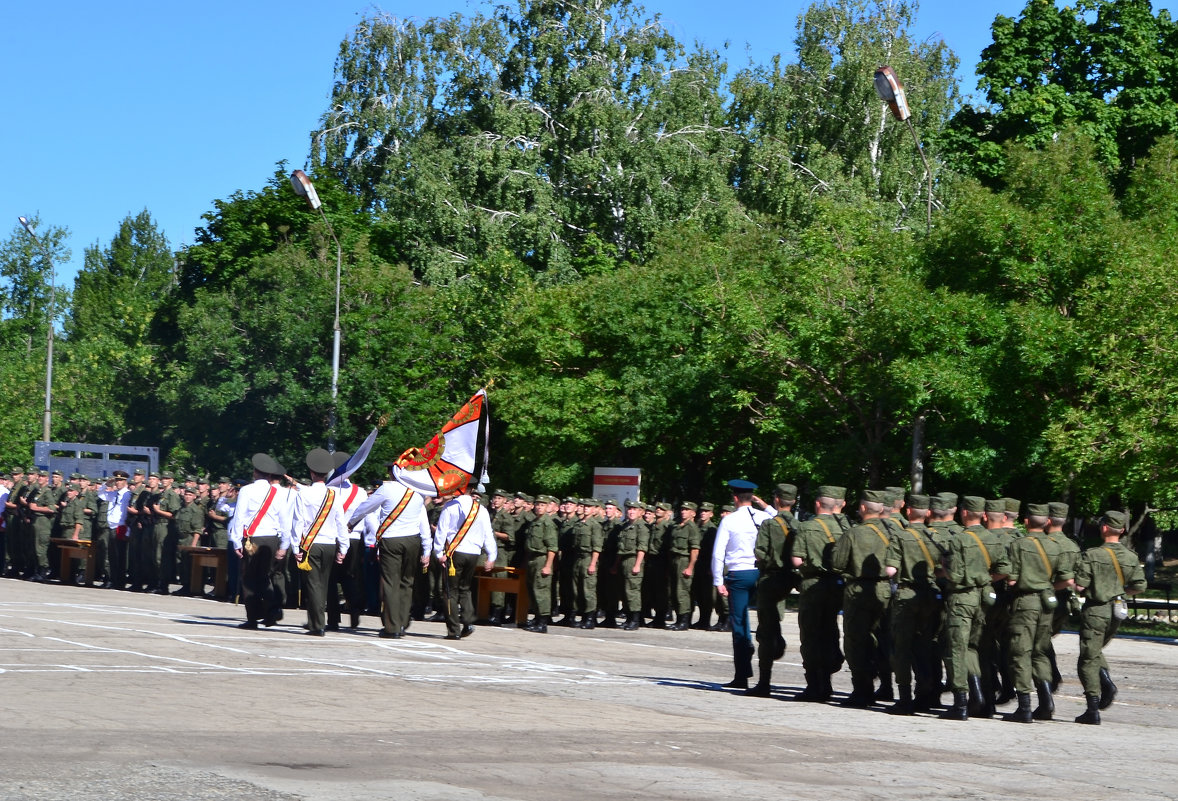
x=114 y=107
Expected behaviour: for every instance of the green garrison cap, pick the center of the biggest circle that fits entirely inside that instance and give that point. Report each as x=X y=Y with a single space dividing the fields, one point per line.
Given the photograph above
x=167 y=474
x=1012 y=505
x=634 y=503
x=139 y=471
x=707 y=506
x=688 y=505
x=663 y=505
x=727 y=508
x=1114 y=520
x=875 y=496
x=995 y=506
x=894 y=493
x=833 y=492
x=1057 y=509
x=610 y=502
x=787 y=492
x=591 y=502
x=950 y=499
x=500 y=493
x=916 y=501
x=525 y=497
x=1038 y=510
x=939 y=503
x=973 y=503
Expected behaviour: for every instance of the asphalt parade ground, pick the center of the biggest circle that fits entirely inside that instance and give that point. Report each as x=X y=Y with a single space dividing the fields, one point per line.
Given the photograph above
x=114 y=695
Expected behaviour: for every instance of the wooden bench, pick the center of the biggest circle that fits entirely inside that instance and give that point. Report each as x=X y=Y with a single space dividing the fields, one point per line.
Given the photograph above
x=511 y=580
x=201 y=557
x=71 y=549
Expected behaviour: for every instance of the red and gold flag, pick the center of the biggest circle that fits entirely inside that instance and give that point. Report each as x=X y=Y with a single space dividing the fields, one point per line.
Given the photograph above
x=451 y=459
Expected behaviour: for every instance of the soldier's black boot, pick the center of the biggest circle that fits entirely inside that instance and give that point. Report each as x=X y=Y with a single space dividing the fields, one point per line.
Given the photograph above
x=496 y=616
x=610 y=621
x=813 y=689
x=631 y=623
x=589 y=621
x=1056 y=676
x=721 y=624
x=1023 y=713
x=1092 y=715
x=541 y=626
x=976 y=701
x=1046 y=706
x=762 y=688
x=1108 y=690
x=960 y=708
x=904 y=706
x=680 y=623
x=530 y=624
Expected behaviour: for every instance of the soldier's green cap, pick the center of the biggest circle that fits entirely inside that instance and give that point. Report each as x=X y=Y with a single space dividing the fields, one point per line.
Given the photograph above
x=727 y=508
x=202 y=480
x=950 y=499
x=501 y=493
x=1012 y=505
x=1057 y=509
x=191 y=479
x=139 y=471
x=223 y=480
x=663 y=505
x=634 y=503
x=995 y=506
x=1114 y=520
x=973 y=503
x=167 y=474
x=875 y=496
x=939 y=504
x=787 y=492
x=74 y=486
x=18 y=471
x=190 y=490
x=74 y=476
x=570 y=499
x=591 y=502
x=688 y=505
x=154 y=474
x=894 y=493
x=523 y=496
x=542 y=498
x=707 y=506
x=1038 y=510
x=57 y=473
x=833 y=492
x=648 y=507
x=610 y=502
x=918 y=501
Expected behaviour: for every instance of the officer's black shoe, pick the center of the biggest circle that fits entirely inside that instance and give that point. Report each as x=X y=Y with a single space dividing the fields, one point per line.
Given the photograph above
x=631 y=623
x=249 y=624
x=333 y=626
x=960 y=708
x=737 y=683
x=904 y=706
x=1023 y=714
x=467 y=631
x=1092 y=715
x=1046 y=706
x=1108 y=690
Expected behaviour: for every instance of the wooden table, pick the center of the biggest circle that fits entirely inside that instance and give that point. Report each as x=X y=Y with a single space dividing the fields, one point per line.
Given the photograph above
x=513 y=581
x=71 y=549
x=201 y=557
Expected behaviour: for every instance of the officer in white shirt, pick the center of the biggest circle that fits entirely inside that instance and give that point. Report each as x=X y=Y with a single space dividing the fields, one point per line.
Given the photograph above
x=736 y=539
x=260 y=533
x=402 y=537
x=320 y=535
x=117 y=498
x=463 y=534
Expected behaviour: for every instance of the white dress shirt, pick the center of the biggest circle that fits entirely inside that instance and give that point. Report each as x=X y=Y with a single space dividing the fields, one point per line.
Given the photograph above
x=306 y=503
x=276 y=522
x=354 y=495
x=735 y=540
x=479 y=538
x=117 y=501
x=412 y=522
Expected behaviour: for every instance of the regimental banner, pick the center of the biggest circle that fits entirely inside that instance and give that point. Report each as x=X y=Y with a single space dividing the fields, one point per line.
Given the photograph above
x=455 y=457
x=617 y=484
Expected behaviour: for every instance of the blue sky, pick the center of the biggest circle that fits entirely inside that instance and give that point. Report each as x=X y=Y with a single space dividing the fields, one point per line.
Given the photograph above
x=114 y=107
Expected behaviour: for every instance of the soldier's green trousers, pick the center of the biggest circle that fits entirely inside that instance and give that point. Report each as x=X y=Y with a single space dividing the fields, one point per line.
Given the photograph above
x=631 y=584
x=818 y=611
x=771 y=591
x=915 y=620
x=585 y=585
x=680 y=588
x=963 y=630
x=1097 y=627
x=539 y=585
x=1028 y=636
x=864 y=605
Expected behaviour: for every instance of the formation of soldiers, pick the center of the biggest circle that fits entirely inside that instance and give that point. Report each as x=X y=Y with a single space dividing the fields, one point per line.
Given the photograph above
x=935 y=592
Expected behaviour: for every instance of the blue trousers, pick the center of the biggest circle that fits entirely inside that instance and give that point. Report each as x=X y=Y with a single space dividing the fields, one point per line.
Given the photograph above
x=741 y=584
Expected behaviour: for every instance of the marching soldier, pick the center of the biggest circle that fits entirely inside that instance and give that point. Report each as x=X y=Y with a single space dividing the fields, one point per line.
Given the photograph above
x=820 y=593
x=260 y=533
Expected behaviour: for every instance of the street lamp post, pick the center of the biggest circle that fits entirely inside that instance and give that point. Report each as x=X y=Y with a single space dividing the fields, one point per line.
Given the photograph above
x=305 y=189
x=45 y=425
x=891 y=91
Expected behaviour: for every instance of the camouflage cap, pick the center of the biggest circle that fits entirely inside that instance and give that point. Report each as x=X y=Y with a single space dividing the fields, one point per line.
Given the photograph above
x=995 y=506
x=634 y=503
x=1038 y=510
x=833 y=492
x=18 y=471
x=950 y=499
x=663 y=505
x=167 y=474
x=501 y=493
x=787 y=492
x=1114 y=520
x=591 y=502
x=918 y=501
x=727 y=508
x=139 y=471
x=525 y=497
x=875 y=496
x=689 y=505
x=224 y=480
x=938 y=503
x=1057 y=509
x=610 y=502
x=154 y=474
x=1012 y=505
x=189 y=479
x=896 y=493
x=973 y=503
x=57 y=473
x=707 y=506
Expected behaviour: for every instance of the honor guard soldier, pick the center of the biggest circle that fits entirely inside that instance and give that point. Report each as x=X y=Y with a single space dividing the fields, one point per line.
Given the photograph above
x=820 y=593
x=1105 y=575
x=319 y=535
x=773 y=550
x=462 y=536
x=260 y=534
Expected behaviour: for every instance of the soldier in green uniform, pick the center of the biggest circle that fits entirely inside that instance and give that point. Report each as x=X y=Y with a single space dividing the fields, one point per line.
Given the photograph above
x=71 y=521
x=773 y=550
x=586 y=547
x=683 y=556
x=608 y=595
x=13 y=533
x=189 y=524
x=820 y=593
x=42 y=505
x=654 y=580
x=976 y=559
x=1104 y=576
x=1034 y=577
x=993 y=655
x=859 y=557
x=568 y=513
x=1067 y=602
x=703 y=592
x=141 y=525
x=540 y=551
x=165 y=536
x=633 y=541
x=911 y=563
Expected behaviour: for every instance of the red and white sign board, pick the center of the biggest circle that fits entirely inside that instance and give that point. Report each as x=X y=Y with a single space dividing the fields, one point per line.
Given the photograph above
x=617 y=484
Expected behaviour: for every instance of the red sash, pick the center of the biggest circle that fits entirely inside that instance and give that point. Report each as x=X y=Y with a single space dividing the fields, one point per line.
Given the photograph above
x=249 y=532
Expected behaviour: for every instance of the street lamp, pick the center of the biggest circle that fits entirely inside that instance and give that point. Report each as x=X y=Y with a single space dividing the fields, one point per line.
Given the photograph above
x=49 y=354
x=891 y=91
x=305 y=189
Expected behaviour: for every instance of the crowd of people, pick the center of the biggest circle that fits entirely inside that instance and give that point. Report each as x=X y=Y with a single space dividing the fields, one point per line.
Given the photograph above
x=935 y=593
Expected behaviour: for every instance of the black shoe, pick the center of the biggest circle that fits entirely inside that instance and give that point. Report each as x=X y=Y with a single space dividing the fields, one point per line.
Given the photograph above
x=389 y=635
x=761 y=689
x=1023 y=713
x=904 y=706
x=960 y=708
x=182 y=592
x=857 y=700
x=737 y=683
x=106 y=585
x=631 y=623
x=589 y=622
x=355 y=621
x=317 y=633
x=437 y=617
x=1046 y=708
x=453 y=637
x=467 y=631
x=270 y=622
x=680 y=623
x=160 y=591
x=333 y=626
x=610 y=622
x=541 y=624
x=1091 y=716
x=249 y=624
x=1108 y=690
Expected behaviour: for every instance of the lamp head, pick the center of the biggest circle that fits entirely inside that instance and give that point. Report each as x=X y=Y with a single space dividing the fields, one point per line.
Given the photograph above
x=891 y=91
x=305 y=189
